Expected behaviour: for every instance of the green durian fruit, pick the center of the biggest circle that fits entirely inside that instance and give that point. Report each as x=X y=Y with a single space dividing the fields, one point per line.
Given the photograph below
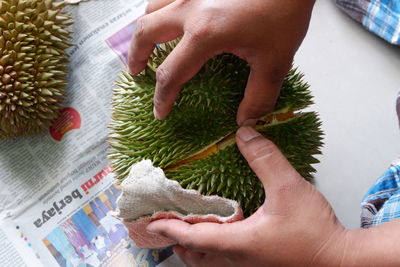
x=33 y=38
x=195 y=145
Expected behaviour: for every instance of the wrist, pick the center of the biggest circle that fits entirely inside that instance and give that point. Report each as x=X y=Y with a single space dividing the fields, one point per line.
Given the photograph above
x=376 y=246
x=355 y=252
x=350 y=250
x=334 y=251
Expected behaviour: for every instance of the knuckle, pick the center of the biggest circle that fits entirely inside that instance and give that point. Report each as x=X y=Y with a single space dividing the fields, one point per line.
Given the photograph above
x=203 y=28
x=180 y=4
x=226 y=247
x=263 y=148
x=159 y=101
x=200 y=34
x=285 y=188
x=289 y=184
x=140 y=27
x=163 y=77
x=131 y=60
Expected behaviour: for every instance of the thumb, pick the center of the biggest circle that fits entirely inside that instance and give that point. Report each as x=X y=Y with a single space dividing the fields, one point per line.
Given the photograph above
x=277 y=175
x=202 y=237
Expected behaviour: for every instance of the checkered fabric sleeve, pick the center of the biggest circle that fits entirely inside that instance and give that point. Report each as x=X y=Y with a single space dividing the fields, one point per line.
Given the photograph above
x=382 y=202
x=381 y=17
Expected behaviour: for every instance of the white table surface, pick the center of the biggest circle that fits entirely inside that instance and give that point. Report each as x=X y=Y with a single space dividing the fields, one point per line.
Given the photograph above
x=355 y=78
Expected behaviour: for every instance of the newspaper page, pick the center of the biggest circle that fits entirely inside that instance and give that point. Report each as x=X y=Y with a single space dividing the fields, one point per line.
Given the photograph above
x=57 y=191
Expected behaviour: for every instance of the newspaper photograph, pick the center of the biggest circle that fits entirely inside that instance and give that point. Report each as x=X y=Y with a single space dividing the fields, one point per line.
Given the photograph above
x=76 y=227
x=57 y=190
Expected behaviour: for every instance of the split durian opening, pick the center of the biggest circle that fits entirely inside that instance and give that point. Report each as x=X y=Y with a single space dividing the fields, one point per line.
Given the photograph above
x=268 y=120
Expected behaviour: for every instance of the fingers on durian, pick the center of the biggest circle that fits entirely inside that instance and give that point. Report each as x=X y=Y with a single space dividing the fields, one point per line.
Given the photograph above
x=195 y=145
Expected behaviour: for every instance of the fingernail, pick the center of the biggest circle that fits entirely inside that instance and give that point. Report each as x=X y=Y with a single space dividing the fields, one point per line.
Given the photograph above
x=156 y=113
x=247 y=133
x=152 y=233
x=150 y=230
x=157 y=233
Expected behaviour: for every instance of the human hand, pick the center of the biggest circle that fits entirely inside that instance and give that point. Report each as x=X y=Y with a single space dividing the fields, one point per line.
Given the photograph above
x=294 y=227
x=265 y=33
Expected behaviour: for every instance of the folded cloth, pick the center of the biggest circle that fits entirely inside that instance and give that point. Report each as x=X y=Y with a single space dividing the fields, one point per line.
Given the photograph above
x=147 y=195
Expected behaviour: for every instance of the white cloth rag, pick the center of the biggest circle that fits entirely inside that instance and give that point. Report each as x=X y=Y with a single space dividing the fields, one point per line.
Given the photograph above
x=147 y=195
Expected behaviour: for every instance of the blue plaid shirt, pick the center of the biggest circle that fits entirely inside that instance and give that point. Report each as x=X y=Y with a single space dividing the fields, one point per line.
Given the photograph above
x=382 y=202
x=381 y=17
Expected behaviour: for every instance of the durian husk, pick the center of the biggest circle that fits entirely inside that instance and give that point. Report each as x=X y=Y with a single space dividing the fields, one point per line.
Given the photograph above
x=33 y=62
x=203 y=122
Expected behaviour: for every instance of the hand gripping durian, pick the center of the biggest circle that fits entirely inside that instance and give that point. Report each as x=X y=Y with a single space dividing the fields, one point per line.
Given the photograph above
x=195 y=145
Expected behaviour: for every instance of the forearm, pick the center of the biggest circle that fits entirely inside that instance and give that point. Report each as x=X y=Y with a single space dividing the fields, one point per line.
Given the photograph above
x=377 y=246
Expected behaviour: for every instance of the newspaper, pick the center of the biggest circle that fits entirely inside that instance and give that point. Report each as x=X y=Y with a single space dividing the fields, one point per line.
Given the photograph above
x=57 y=190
